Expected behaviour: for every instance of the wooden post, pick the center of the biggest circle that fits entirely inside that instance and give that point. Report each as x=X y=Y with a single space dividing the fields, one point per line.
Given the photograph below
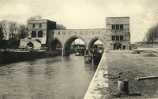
x=123 y=87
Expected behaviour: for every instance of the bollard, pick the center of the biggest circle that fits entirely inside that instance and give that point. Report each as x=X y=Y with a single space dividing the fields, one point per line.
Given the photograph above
x=123 y=87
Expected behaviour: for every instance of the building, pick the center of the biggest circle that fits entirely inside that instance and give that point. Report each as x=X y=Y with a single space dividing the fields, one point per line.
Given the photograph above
x=39 y=30
x=119 y=28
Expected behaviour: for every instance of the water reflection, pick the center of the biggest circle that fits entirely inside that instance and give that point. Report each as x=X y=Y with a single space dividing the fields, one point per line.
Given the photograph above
x=50 y=78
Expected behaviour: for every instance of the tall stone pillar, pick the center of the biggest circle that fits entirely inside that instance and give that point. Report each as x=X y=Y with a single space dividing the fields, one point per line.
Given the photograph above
x=63 y=52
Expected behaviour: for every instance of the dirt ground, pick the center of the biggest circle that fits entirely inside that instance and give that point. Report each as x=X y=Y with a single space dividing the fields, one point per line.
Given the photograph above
x=125 y=65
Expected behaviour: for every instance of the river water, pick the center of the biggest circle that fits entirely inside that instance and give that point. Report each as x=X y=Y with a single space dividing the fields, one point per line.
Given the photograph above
x=48 y=78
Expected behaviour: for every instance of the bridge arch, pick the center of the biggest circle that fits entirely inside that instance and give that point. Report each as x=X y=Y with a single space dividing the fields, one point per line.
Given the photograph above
x=92 y=41
x=56 y=46
x=68 y=43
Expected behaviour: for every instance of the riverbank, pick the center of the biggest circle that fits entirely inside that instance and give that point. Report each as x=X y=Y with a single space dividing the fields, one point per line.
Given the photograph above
x=99 y=85
x=16 y=55
x=116 y=65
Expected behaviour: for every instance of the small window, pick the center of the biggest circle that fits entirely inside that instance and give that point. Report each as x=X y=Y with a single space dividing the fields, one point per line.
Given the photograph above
x=117 y=38
x=40 y=34
x=33 y=25
x=121 y=38
x=117 y=27
x=121 y=26
x=113 y=27
x=33 y=34
x=40 y=25
x=113 y=38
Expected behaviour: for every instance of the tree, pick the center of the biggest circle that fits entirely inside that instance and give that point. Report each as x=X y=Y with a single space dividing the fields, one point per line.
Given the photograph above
x=9 y=34
x=152 y=34
x=23 y=30
x=1 y=33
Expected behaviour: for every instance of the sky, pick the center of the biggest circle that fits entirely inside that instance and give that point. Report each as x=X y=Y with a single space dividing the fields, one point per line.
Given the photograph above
x=85 y=13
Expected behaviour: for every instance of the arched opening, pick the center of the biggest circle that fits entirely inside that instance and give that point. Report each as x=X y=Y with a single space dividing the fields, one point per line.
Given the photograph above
x=97 y=44
x=74 y=45
x=56 y=47
x=96 y=49
x=33 y=34
x=40 y=33
x=30 y=45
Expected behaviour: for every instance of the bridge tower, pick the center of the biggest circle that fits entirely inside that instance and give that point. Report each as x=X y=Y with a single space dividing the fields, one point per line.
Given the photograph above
x=119 y=28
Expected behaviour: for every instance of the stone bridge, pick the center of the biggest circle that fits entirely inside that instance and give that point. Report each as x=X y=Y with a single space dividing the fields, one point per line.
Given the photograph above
x=89 y=36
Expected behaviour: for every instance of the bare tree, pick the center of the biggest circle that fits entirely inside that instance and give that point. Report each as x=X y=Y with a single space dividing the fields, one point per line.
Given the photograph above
x=3 y=27
x=9 y=34
x=13 y=29
x=9 y=30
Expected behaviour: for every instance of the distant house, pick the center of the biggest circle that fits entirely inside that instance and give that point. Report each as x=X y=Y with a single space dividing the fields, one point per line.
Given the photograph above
x=39 y=30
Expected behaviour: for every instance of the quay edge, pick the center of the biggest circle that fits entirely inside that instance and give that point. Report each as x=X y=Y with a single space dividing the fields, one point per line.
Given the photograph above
x=98 y=82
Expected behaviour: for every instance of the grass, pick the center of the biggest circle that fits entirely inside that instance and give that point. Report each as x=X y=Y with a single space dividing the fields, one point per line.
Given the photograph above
x=131 y=66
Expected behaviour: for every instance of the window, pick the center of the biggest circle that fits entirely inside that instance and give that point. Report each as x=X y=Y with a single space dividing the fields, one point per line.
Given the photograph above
x=113 y=27
x=33 y=34
x=121 y=26
x=113 y=38
x=40 y=25
x=117 y=38
x=121 y=38
x=40 y=34
x=117 y=27
x=33 y=25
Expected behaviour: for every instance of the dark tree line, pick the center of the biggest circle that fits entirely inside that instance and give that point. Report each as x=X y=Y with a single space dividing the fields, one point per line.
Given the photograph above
x=152 y=34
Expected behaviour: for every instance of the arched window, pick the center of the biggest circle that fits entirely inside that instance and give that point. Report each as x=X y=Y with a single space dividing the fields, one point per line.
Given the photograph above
x=33 y=34
x=40 y=34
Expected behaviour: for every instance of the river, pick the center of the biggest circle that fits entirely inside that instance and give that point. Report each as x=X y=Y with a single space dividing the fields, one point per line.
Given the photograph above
x=48 y=78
